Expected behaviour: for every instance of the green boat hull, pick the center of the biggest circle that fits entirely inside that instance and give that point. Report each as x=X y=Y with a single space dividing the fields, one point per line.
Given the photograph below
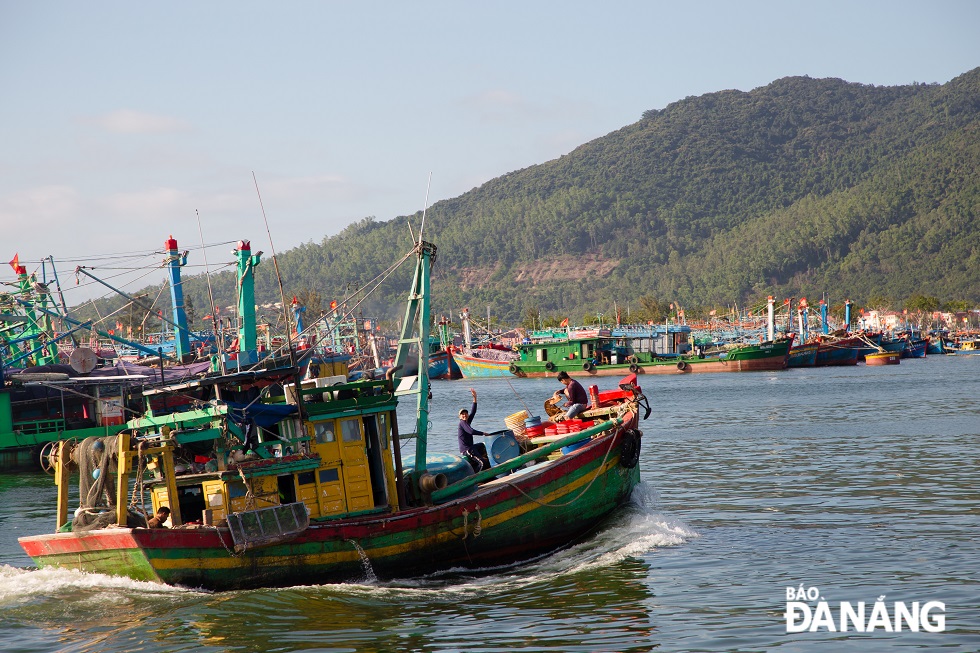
x=514 y=518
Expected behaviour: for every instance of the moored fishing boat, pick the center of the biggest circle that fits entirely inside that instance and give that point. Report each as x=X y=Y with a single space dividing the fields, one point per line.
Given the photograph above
x=484 y=363
x=916 y=347
x=835 y=350
x=660 y=349
x=47 y=401
x=311 y=488
x=883 y=358
x=802 y=355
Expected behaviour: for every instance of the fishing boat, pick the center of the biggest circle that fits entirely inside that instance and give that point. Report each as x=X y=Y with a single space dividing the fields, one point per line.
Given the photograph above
x=916 y=347
x=883 y=358
x=803 y=355
x=659 y=349
x=484 y=363
x=485 y=359
x=43 y=400
x=834 y=350
x=309 y=486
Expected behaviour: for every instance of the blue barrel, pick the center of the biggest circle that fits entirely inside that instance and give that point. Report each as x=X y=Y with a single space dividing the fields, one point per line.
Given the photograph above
x=501 y=447
x=575 y=445
x=532 y=421
x=456 y=468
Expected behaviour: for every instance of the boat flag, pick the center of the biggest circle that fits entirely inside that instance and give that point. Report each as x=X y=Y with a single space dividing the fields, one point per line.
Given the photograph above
x=15 y=262
x=564 y=322
x=333 y=305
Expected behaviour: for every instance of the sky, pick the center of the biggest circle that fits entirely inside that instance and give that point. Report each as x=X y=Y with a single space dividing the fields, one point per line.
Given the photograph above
x=122 y=123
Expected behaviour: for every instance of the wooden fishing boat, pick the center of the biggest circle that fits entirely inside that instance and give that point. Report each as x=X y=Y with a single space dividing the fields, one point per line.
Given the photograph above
x=310 y=487
x=803 y=355
x=916 y=347
x=883 y=358
x=658 y=352
x=484 y=363
x=48 y=401
x=835 y=350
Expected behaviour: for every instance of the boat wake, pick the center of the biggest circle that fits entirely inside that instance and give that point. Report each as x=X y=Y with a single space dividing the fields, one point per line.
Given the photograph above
x=27 y=588
x=635 y=532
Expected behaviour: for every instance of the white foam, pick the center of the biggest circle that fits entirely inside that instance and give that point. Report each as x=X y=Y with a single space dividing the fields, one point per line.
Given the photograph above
x=640 y=529
x=21 y=586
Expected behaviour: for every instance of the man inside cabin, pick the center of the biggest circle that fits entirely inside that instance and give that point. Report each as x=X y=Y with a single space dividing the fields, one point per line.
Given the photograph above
x=578 y=398
x=163 y=514
x=475 y=453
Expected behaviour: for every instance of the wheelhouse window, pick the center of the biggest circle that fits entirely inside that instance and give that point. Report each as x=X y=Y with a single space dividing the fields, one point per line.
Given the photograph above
x=324 y=432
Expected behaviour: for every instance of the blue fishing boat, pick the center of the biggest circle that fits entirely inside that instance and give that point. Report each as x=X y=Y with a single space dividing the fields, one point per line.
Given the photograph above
x=803 y=355
x=838 y=351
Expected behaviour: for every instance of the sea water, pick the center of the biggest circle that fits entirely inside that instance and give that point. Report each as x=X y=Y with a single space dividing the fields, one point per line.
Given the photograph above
x=851 y=485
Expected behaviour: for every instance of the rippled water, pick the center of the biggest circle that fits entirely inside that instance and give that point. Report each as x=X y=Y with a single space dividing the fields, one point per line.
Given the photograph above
x=859 y=481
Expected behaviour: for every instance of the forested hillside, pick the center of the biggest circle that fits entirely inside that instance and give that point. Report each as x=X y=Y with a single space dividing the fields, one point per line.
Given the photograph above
x=802 y=187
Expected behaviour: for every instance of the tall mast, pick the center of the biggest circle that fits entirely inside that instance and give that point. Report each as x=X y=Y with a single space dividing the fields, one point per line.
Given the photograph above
x=247 y=262
x=415 y=334
x=175 y=260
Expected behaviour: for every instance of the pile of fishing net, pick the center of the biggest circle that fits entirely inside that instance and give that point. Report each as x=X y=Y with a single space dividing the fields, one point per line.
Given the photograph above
x=96 y=458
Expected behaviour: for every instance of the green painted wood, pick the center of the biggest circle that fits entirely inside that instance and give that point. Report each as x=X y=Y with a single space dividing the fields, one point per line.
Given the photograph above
x=451 y=490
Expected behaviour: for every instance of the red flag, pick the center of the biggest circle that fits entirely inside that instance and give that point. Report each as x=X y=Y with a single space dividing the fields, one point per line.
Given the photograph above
x=564 y=322
x=15 y=263
x=333 y=305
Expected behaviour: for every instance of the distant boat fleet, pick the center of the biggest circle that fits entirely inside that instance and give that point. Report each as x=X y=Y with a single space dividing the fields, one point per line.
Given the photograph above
x=674 y=348
x=56 y=386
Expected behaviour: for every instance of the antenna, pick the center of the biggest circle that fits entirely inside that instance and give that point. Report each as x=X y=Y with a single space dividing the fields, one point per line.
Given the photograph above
x=282 y=293
x=425 y=206
x=214 y=312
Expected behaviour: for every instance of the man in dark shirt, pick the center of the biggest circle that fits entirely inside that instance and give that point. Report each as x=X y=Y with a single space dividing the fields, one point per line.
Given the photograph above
x=578 y=398
x=476 y=453
x=163 y=514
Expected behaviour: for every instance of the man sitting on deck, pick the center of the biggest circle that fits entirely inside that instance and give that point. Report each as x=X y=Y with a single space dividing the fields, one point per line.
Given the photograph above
x=163 y=514
x=578 y=398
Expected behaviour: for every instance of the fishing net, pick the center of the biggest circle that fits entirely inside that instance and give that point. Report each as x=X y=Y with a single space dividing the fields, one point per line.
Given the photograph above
x=96 y=458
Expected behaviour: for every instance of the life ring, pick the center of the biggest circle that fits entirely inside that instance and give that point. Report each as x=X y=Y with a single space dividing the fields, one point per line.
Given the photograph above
x=681 y=365
x=588 y=366
x=513 y=369
x=633 y=359
x=634 y=368
x=629 y=453
x=549 y=366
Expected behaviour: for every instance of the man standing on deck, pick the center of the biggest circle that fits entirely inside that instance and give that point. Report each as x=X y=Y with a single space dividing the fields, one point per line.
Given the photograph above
x=578 y=399
x=475 y=453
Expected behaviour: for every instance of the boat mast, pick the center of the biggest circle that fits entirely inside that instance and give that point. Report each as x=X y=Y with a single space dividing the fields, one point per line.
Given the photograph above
x=174 y=261
x=415 y=334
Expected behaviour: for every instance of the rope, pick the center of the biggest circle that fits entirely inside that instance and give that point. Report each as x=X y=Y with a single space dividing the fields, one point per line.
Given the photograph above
x=580 y=494
x=478 y=528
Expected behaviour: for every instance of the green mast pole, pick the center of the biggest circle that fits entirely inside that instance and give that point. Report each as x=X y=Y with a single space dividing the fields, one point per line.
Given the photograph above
x=415 y=335
x=39 y=327
x=247 y=262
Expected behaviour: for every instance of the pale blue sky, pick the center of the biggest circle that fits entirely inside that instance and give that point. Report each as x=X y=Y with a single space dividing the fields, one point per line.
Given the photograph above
x=119 y=119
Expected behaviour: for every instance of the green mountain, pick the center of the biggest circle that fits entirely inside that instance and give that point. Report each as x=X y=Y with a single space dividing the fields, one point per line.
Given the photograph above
x=799 y=188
